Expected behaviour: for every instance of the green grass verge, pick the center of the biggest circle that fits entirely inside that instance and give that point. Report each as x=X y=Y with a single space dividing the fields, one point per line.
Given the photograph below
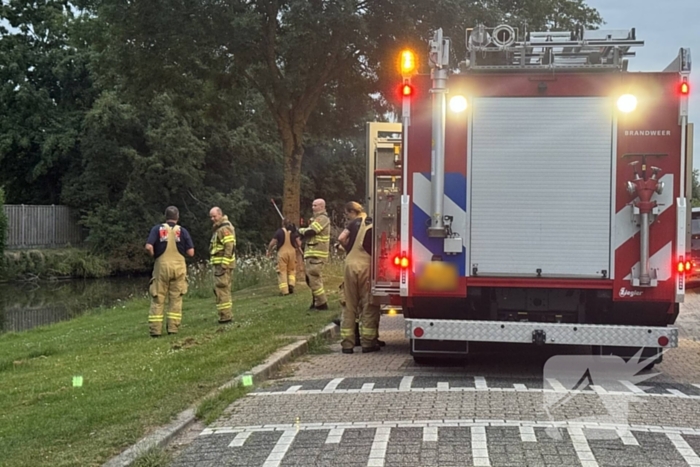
x=133 y=384
x=155 y=457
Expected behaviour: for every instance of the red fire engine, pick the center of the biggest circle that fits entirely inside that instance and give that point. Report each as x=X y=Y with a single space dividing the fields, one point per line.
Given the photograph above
x=548 y=203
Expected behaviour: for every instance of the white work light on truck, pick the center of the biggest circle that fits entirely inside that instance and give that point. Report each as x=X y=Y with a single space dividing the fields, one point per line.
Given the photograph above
x=458 y=104
x=627 y=103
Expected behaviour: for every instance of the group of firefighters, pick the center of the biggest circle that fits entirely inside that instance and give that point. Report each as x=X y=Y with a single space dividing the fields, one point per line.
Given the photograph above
x=169 y=243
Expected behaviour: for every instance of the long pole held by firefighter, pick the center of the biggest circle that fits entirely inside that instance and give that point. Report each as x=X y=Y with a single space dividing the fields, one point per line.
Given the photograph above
x=282 y=217
x=276 y=208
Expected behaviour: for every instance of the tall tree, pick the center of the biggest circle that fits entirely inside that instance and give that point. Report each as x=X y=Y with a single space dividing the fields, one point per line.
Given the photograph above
x=315 y=63
x=45 y=91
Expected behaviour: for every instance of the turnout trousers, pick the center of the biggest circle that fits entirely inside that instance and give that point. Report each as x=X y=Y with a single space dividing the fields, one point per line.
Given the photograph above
x=169 y=281
x=314 y=269
x=222 y=290
x=358 y=308
x=286 y=269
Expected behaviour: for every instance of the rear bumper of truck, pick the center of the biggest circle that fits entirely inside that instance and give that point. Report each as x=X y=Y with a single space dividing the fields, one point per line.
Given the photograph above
x=542 y=333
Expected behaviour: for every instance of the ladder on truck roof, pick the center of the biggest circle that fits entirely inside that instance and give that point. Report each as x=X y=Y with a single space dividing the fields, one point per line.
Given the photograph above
x=505 y=48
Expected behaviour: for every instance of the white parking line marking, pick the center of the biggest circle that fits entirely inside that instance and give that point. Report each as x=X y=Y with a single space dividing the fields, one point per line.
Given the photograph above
x=480 y=450
x=280 y=449
x=377 y=452
x=430 y=433
x=583 y=450
x=293 y=389
x=335 y=435
x=406 y=383
x=527 y=434
x=240 y=439
x=333 y=385
x=451 y=423
x=443 y=386
x=480 y=382
x=684 y=449
x=367 y=387
x=627 y=437
x=556 y=385
x=632 y=387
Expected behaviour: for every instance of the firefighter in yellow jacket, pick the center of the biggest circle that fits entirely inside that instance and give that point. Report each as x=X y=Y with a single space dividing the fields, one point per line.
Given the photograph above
x=318 y=237
x=222 y=258
x=357 y=241
x=287 y=241
x=168 y=243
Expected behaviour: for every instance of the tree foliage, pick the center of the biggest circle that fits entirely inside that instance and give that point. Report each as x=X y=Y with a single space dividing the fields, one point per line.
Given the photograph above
x=45 y=91
x=123 y=108
x=316 y=64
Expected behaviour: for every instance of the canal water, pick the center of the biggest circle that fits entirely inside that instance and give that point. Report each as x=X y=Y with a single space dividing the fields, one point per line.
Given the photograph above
x=25 y=306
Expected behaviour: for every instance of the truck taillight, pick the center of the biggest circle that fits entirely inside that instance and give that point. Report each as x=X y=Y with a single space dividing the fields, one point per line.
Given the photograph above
x=401 y=261
x=684 y=266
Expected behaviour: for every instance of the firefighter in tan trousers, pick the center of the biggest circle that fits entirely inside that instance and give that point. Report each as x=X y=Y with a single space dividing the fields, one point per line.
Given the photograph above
x=223 y=259
x=168 y=243
x=287 y=241
x=357 y=241
x=318 y=235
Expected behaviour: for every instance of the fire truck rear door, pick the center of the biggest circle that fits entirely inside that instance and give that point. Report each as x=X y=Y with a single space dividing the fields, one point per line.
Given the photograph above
x=540 y=186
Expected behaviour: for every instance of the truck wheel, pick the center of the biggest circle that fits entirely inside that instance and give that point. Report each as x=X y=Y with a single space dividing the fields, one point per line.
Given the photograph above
x=421 y=360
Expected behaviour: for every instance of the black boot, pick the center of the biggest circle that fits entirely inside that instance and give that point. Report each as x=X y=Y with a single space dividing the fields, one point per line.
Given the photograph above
x=291 y=289
x=322 y=307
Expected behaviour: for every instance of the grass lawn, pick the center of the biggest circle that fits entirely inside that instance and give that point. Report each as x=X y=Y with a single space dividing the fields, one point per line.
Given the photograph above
x=132 y=383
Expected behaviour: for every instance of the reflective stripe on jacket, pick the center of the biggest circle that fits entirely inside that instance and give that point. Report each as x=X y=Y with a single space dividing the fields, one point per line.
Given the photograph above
x=317 y=245
x=223 y=244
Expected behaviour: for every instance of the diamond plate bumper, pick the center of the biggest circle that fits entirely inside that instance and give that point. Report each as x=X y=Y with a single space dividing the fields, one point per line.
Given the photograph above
x=555 y=333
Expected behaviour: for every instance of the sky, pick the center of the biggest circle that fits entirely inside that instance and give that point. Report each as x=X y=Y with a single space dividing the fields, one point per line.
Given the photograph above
x=665 y=26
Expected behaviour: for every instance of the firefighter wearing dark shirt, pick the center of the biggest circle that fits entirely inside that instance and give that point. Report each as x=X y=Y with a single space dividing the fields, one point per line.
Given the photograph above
x=357 y=241
x=168 y=243
x=287 y=241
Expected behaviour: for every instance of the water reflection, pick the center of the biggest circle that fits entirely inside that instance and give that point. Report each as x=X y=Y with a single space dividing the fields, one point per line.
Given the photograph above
x=25 y=306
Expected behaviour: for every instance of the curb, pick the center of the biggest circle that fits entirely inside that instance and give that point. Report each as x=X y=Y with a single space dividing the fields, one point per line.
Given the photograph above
x=260 y=373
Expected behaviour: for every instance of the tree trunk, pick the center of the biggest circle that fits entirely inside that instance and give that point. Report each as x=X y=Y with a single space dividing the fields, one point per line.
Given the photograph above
x=293 y=150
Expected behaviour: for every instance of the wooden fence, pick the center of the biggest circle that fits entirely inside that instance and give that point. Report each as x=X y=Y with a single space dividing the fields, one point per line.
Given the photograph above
x=32 y=226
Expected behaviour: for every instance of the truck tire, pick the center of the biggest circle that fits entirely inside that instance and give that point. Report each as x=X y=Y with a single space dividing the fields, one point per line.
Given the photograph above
x=422 y=360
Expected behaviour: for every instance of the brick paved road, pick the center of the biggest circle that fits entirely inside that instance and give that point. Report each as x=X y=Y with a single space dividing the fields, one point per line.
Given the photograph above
x=493 y=409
